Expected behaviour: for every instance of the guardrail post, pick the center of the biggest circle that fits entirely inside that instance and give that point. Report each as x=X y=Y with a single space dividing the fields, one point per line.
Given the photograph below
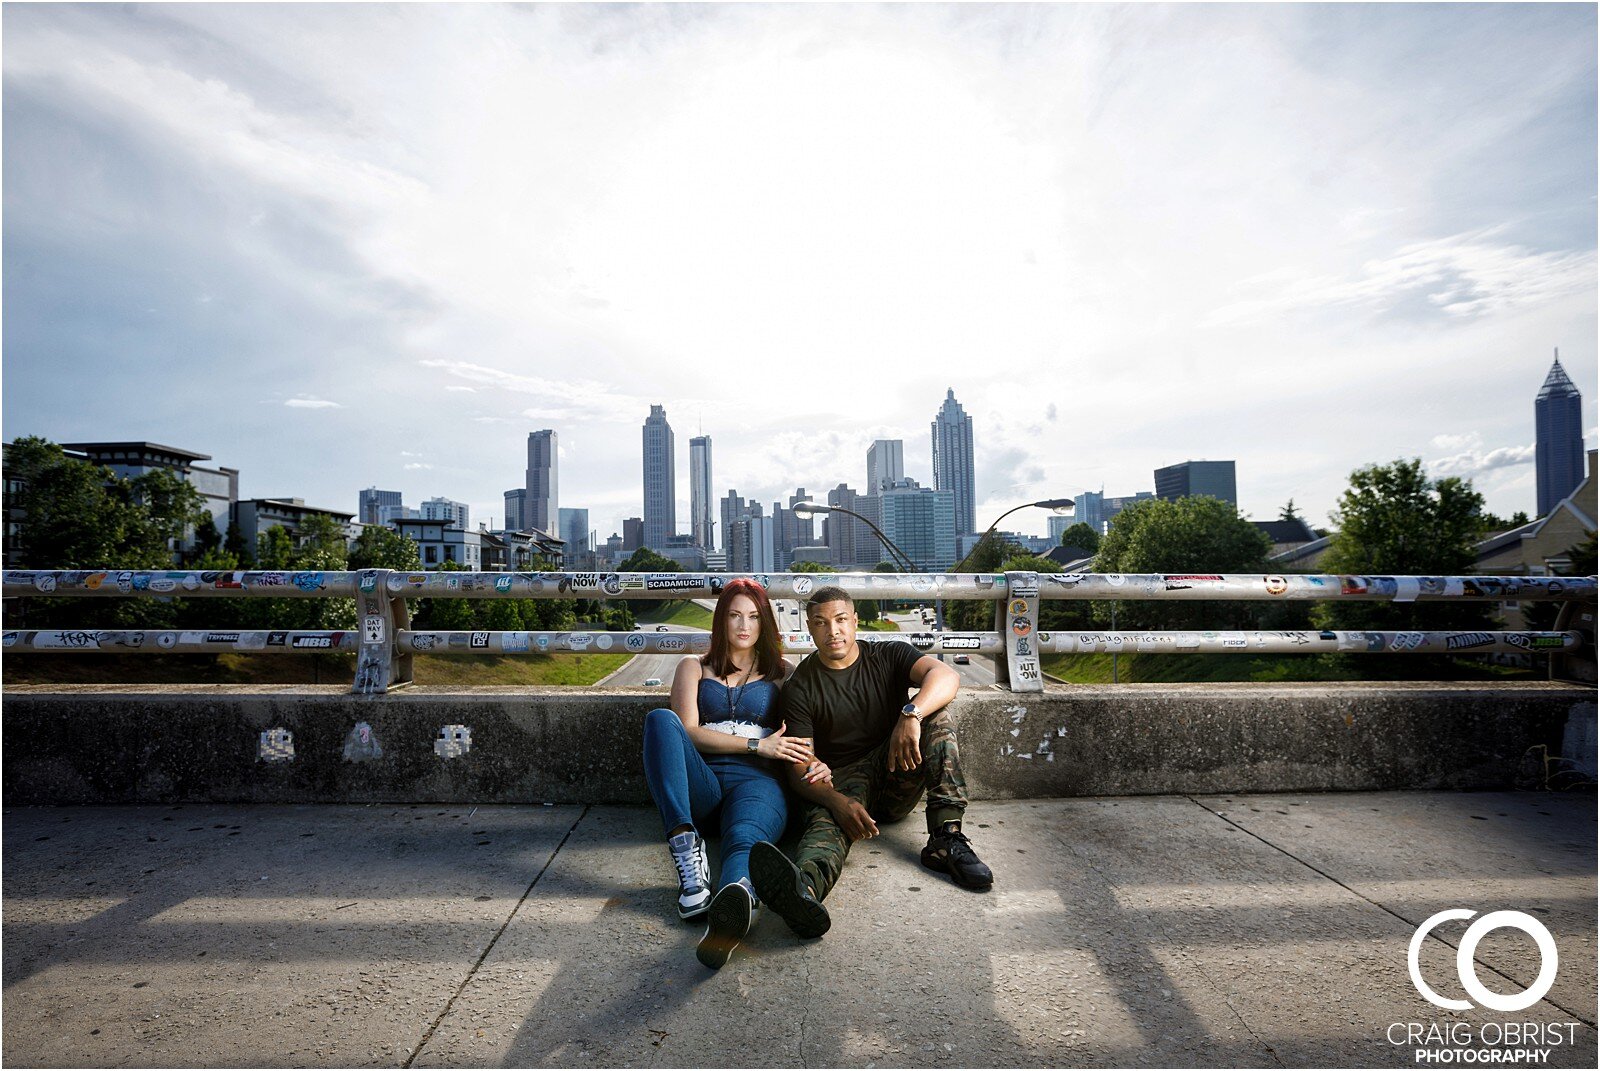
x=380 y=665
x=1018 y=622
x=1580 y=666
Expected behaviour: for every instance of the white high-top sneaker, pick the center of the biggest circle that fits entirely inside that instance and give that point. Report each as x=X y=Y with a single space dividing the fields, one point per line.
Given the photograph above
x=694 y=873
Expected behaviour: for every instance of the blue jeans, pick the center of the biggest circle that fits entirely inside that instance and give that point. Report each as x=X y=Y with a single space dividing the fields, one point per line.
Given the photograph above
x=688 y=790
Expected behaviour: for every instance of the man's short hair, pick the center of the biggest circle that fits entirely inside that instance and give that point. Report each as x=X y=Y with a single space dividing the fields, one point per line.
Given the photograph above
x=825 y=595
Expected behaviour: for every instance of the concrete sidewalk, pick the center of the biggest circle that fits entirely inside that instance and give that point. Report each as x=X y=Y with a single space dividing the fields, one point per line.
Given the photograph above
x=1258 y=931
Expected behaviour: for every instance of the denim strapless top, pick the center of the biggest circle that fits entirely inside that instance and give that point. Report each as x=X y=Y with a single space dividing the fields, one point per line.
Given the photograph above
x=753 y=713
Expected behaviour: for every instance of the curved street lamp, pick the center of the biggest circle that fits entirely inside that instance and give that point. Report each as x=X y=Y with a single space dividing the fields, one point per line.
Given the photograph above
x=808 y=510
x=1061 y=506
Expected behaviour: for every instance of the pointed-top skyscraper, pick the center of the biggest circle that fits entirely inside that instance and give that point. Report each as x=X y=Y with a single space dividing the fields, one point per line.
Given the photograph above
x=660 y=486
x=952 y=460
x=1558 y=450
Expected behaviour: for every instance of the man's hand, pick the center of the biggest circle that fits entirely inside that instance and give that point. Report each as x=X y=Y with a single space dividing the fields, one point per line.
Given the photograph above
x=905 y=745
x=854 y=819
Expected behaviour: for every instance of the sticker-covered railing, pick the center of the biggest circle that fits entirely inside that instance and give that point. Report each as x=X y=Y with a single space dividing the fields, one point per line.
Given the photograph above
x=384 y=642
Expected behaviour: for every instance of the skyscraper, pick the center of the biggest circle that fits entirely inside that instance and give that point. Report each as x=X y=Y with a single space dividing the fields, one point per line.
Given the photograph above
x=445 y=509
x=539 y=506
x=373 y=503
x=574 y=525
x=1214 y=478
x=700 y=491
x=886 y=463
x=733 y=506
x=952 y=460
x=919 y=521
x=516 y=508
x=660 y=486
x=851 y=543
x=1558 y=442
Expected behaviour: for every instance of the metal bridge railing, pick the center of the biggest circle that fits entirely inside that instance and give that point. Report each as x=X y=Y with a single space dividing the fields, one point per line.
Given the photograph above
x=385 y=643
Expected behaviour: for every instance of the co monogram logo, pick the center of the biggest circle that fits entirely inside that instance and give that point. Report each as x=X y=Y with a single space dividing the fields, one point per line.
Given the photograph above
x=1468 y=970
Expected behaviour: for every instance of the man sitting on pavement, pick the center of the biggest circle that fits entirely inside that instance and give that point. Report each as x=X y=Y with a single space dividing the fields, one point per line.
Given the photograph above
x=851 y=699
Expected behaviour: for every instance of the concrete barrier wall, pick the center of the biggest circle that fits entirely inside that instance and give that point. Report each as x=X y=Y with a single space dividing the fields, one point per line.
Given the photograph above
x=298 y=744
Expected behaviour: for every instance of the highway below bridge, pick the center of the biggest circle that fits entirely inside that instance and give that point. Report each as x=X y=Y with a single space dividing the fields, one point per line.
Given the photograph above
x=978 y=673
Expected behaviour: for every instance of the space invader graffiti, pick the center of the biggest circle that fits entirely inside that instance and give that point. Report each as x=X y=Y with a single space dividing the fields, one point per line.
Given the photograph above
x=361 y=744
x=276 y=745
x=453 y=742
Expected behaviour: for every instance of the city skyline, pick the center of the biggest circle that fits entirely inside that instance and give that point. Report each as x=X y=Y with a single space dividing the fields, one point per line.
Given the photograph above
x=1114 y=270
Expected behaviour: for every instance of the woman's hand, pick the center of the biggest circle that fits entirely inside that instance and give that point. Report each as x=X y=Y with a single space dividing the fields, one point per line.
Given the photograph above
x=783 y=748
x=818 y=771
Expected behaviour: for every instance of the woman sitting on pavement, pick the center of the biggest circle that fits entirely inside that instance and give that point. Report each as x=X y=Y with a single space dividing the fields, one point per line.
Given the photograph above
x=717 y=750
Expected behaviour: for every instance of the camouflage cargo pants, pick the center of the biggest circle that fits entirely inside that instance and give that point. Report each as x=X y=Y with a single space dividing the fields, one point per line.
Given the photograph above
x=888 y=797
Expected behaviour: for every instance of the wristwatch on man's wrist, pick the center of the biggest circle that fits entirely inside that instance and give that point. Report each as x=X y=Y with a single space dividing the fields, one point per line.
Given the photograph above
x=910 y=710
x=752 y=744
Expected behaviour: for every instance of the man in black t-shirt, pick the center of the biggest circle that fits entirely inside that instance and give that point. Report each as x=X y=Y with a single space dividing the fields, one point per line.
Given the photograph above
x=851 y=699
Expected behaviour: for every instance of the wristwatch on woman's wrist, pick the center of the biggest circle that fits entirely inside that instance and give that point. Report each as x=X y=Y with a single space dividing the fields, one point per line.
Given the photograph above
x=752 y=744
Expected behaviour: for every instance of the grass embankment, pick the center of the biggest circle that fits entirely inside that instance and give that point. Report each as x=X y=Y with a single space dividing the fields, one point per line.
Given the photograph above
x=526 y=670
x=883 y=624
x=1220 y=668
x=686 y=614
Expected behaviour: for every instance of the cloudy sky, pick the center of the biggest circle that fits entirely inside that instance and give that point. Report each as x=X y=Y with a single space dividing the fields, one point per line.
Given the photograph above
x=339 y=246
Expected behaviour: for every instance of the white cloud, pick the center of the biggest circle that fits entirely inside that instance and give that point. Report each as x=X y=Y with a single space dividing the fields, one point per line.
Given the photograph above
x=1474 y=462
x=1461 y=276
x=795 y=226
x=311 y=402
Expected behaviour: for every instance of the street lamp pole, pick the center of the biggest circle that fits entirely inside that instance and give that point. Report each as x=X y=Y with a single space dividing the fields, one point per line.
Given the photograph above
x=810 y=509
x=1062 y=506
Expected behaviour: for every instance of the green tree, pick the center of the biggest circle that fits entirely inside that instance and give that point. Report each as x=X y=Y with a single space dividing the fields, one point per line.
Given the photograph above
x=234 y=543
x=1581 y=557
x=1081 y=535
x=1493 y=523
x=1194 y=534
x=452 y=615
x=991 y=551
x=1288 y=513
x=274 y=548
x=206 y=537
x=381 y=547
x=810 y=567
x=645 y=560
x=1393 y=520
x=78 y=515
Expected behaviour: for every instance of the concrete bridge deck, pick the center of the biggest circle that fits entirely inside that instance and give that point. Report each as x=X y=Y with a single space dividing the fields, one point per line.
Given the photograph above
x=1256 y=931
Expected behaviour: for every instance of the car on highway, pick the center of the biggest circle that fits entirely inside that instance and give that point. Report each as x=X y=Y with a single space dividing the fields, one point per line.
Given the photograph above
x=652 y=682
x=662 y=628
x=963 y=660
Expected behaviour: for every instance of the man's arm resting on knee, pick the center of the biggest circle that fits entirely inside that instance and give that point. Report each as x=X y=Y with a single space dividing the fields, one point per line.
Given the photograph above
x=936 y=685
x=849 y=813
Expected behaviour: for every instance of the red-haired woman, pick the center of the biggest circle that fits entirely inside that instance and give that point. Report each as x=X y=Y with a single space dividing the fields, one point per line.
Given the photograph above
x=713 y=756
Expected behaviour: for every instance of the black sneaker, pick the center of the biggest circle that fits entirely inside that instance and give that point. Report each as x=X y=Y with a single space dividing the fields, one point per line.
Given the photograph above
x=728 y=922
x=783 y=888
x=949 y=852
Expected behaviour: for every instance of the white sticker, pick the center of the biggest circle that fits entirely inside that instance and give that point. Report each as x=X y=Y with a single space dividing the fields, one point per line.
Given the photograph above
x=372 y=629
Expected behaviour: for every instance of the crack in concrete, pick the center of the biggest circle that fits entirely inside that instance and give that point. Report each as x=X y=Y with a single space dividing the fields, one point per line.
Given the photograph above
x=805 y=1013
x=1380 y=906
x=466 y=981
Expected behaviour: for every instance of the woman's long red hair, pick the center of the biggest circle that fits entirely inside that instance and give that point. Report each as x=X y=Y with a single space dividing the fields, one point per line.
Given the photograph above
x=769 y=648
